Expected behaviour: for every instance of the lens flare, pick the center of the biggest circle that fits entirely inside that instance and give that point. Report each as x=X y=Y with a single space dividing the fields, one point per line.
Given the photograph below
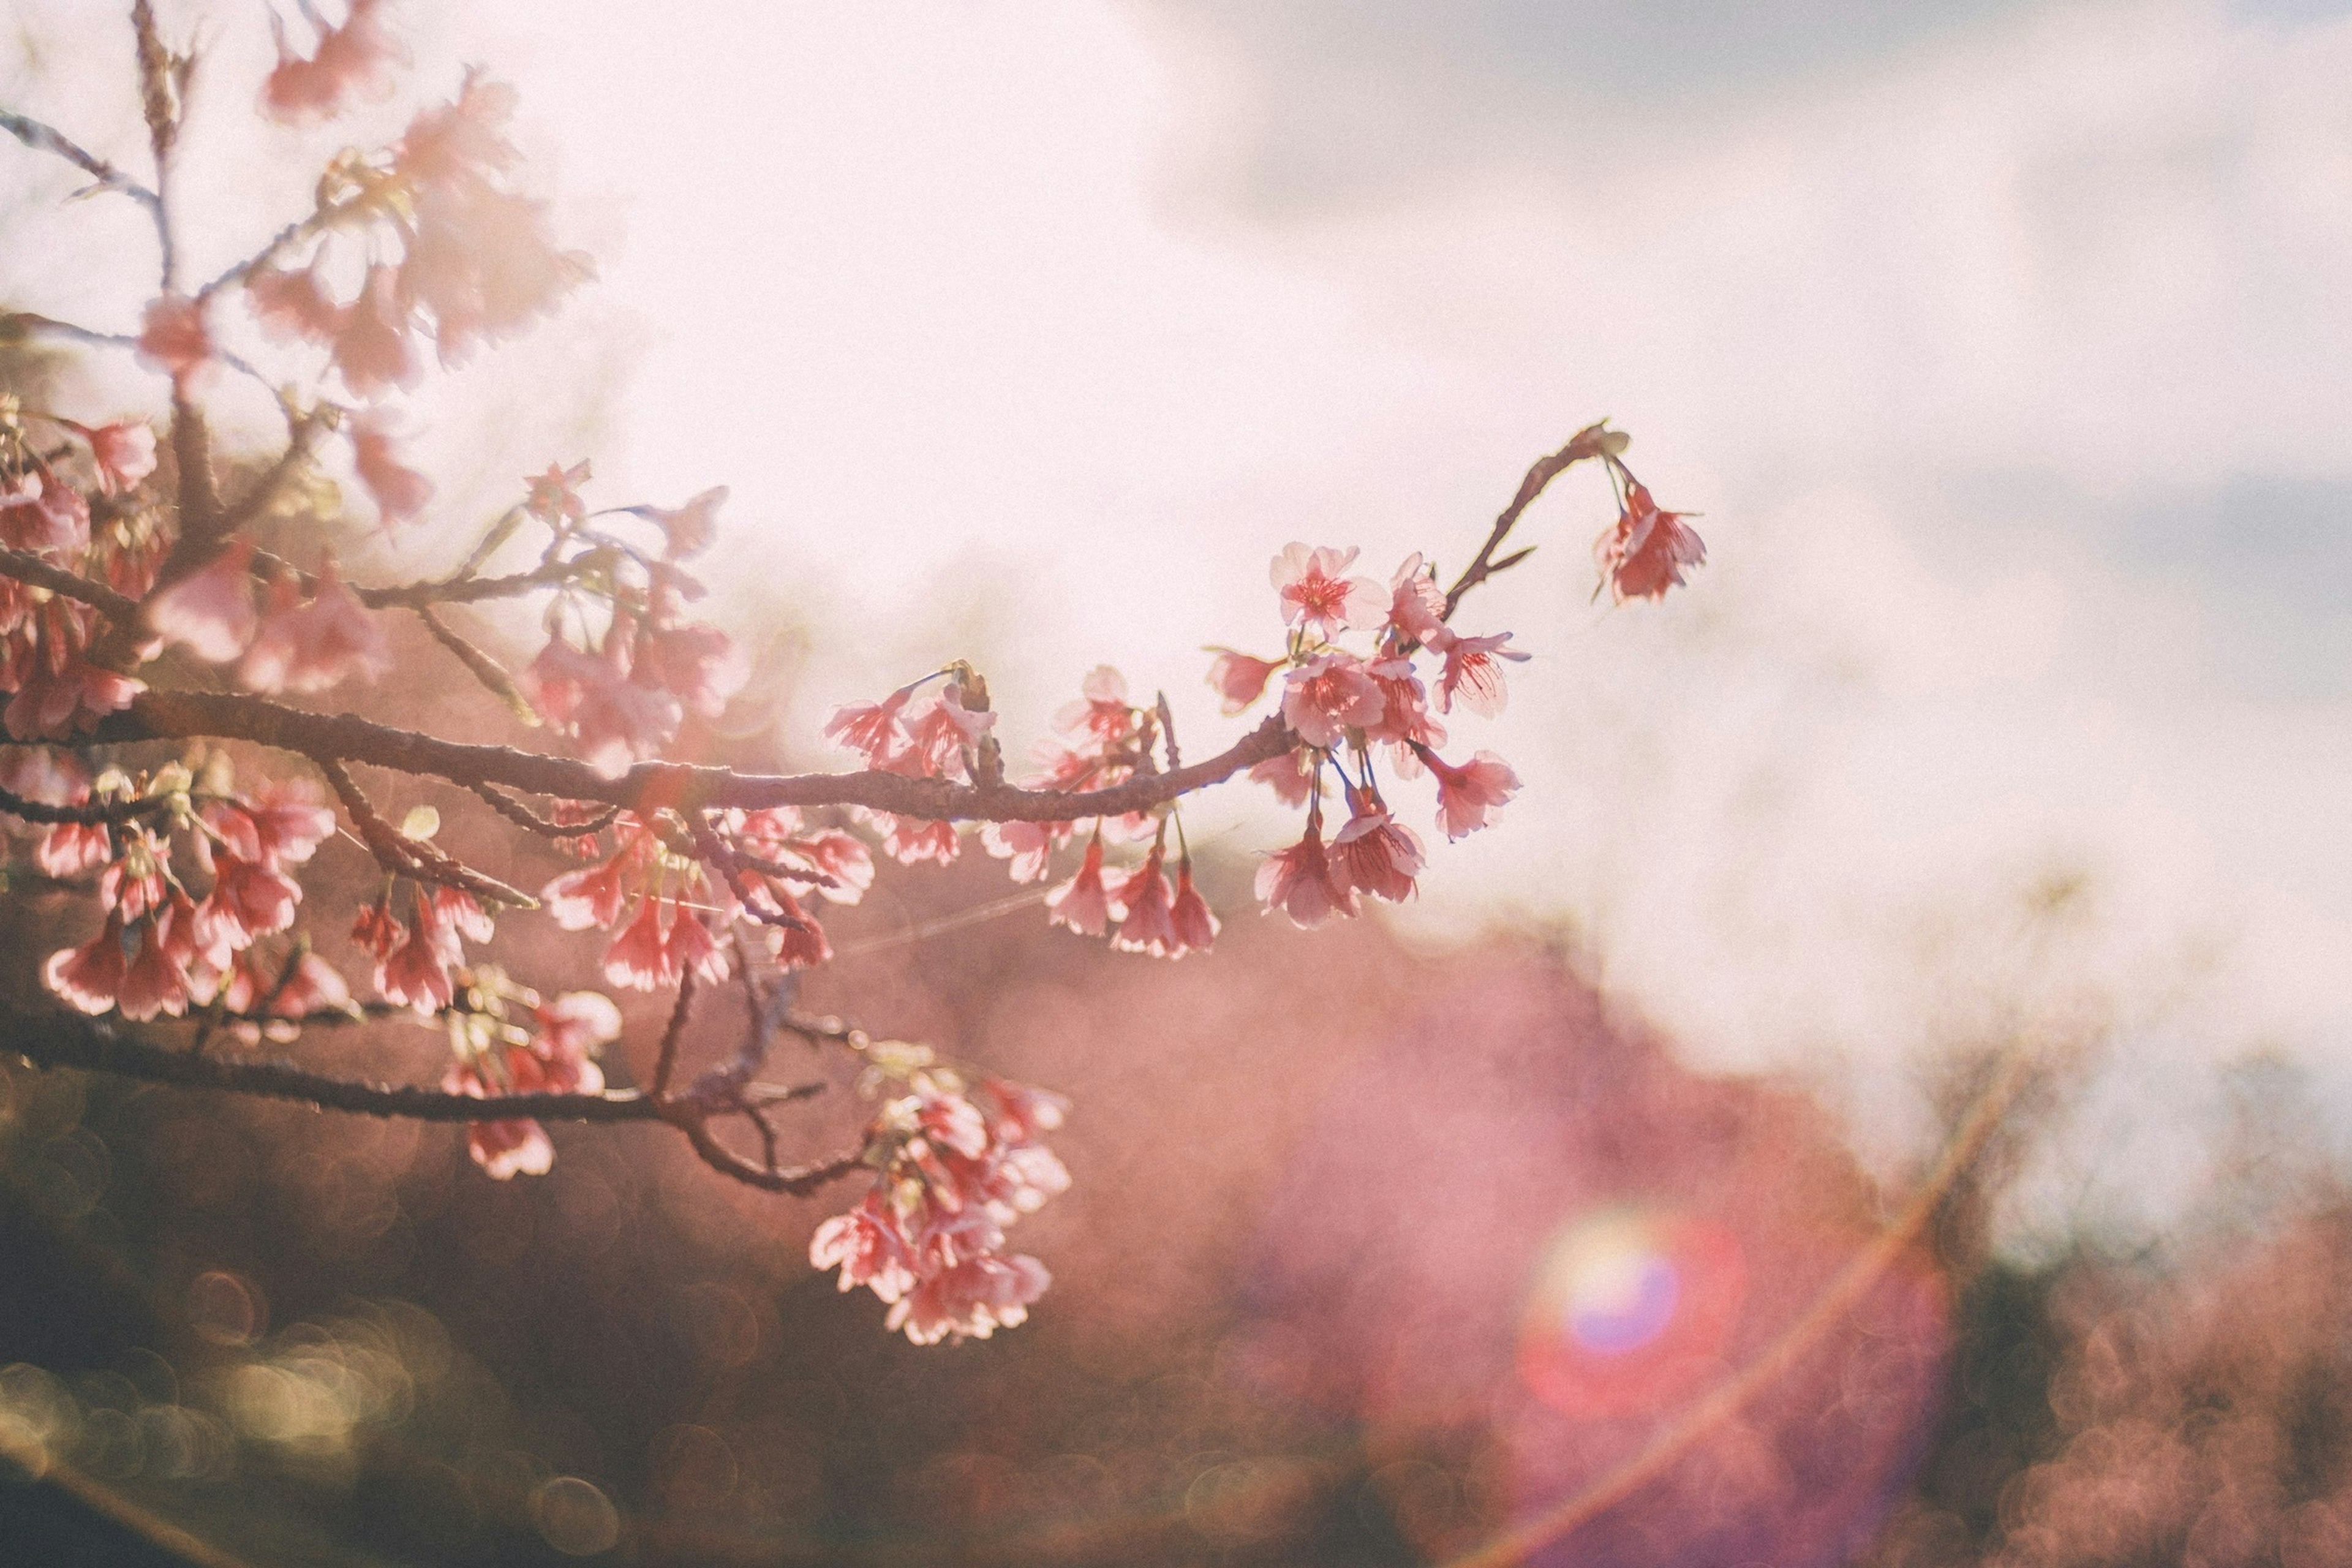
x=1630 y=1308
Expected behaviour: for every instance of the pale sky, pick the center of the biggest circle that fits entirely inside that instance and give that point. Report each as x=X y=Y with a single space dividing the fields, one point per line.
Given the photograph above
x=2001 y=345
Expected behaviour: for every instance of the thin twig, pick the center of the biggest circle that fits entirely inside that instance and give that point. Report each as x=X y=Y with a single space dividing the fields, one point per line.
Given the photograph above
x=402 y=856
x=522 y=817
x=665 y=1065
x=26 y=567
x=1585 y=443
x=92 y=814
x=43 y=138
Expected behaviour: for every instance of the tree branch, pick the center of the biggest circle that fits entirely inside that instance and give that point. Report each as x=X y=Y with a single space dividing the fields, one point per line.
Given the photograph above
x=649 y=786
x=43 y=138
x=25 y=567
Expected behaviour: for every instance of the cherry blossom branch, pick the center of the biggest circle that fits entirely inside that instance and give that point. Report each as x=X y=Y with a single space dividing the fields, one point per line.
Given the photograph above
x=196 y=715
x=1592 y=441
x=493 y=676
x=45 y=138
x=402 y=856
x=163 y=85
x=522 y=817
x=666 y=1062
x=95 y=813
x=25 y=567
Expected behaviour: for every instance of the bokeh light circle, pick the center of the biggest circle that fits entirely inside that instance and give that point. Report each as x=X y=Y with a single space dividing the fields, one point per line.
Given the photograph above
x=1629 y=1308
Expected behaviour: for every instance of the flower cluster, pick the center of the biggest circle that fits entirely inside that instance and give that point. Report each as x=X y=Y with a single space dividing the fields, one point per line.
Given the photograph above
x=302 y=637
x=753 y=865
x=952 y=1169
x=622 y=689
x=161 y=949
x=507 y=1039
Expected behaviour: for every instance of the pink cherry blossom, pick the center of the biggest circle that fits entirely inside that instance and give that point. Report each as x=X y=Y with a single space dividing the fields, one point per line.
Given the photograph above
x=1473 y=673
x=1292 y=775
x=293 y=304
x=1317 y=599
x=415 y=972
x=315 y=986
x=123 y=453
x=1404 y=712
x=306 y=647
x=870 y=729
x=209 y=612
x=1416 y=603
x=595 y=895
x=1643 y=552
x=1022 y=1112
x=865 y=1244
x=175 y=339
x=939 y=734
x=573 y=1027
x=1102 y=711
x=1300 y=881
x=841 y=857
x=640 y=956
x=289 y=823
x=801 y=946
x=152 y=984
x=373 y=350
x=1239 y=677
x=254 y=899
x=691 y=949
x=911 y=840
x=515 y=1146
x=354 y=60
x=1082 y=903
x=1326 y=697
x=1145 y=926
x=1030 y=846
x=553 y=497
x=701 y=666
x=89 y=977
x=43 y=514
x=400 y=493
x=616 y=721
x=66 y=849
x=1194 y=923
x=688 y=529
x=1374 y=854
x=1469 y=796
x=59 y=702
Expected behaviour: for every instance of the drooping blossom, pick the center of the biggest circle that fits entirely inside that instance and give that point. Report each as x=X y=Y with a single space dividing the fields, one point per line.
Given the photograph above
x=1102 y=712
x=1029 y=846
x=1145 y=900
x=39 y=513
x=1301 y=882
x=1194 y=923
x=870 y=729
x=250 y=898
x=639 y=958
x=596 y=896
x=123 y=452
x=1469 y=796
x=210 y=611
x=398 y=490
x=1416 y=603
x=928 y=1236
x=575 y=1027
x=688 y=529
x=1374 y=853
x=912 y=840
x=293 y=304
x=90 y=978
x=1317 y=597
x=480 y=257
x=701 y=666
x=354 y=60
x=1239 y=679
x=940 y=733
x=284 y=817
x=1643 y=552
x=175 y=339
x=313 y=986
x=691 y=949
x=1293 y=777
x=66 y=696
x=1326 y=697
x=1405 y=720
x=1083 y=903
x=1472 y=671
x=373 y=350
x=306 y=647
x=152 y=983
x=618 y=721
